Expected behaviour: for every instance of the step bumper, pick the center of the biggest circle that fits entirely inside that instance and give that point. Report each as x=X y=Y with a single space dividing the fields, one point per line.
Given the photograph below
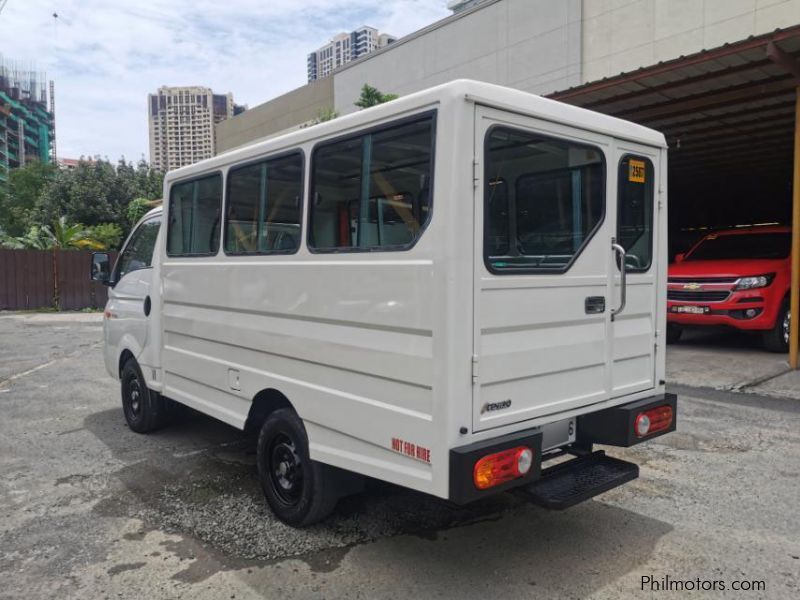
x=574 y=481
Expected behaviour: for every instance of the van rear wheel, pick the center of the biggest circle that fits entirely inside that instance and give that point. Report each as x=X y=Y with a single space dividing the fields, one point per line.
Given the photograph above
x=145 y=410
x=299 y=491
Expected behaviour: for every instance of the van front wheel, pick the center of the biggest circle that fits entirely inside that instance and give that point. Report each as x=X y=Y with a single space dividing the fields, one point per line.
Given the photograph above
x=144 y=409
x=299 y=491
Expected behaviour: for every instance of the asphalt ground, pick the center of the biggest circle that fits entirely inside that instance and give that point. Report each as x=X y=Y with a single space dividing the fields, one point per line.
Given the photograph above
x=89 y=509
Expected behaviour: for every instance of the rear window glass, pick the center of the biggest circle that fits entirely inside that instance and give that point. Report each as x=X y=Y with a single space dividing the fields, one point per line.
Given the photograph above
x=544 y=199
x=743 y=246
x=635 y=211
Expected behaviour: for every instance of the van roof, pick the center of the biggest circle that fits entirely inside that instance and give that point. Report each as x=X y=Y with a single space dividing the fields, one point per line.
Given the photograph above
x=482 y=93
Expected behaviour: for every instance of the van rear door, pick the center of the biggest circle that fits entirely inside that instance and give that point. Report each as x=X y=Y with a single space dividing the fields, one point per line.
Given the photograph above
x=547 y=275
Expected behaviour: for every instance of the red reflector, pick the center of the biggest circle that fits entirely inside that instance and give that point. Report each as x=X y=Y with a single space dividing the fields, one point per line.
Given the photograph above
x=501 y=467
x=652 y=421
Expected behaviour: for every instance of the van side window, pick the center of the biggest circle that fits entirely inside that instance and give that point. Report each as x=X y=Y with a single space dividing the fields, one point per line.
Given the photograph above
x=194 y=211
x=138 y=253
x=373 y=191
x=544 y=198
x=635 y=211
x=263 y=207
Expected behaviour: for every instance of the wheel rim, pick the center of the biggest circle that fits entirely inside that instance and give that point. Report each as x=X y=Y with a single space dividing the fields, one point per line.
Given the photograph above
x=135 y=397
x=286 y=470
x=786 y=327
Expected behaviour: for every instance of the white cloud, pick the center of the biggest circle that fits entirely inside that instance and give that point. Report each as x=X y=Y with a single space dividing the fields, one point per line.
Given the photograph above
x=107 y=55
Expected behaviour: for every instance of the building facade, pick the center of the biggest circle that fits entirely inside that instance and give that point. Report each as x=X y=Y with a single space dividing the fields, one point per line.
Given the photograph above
x=538 y=46
x=458 y=5
x=344 y=48
x=27 y=126
x=181 y=122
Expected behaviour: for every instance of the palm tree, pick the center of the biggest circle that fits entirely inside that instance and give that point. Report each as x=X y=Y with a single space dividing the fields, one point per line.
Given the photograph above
x=371 y=96
x=62 y=236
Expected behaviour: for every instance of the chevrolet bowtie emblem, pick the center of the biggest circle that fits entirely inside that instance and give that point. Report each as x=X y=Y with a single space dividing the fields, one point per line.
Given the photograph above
x=693 y=286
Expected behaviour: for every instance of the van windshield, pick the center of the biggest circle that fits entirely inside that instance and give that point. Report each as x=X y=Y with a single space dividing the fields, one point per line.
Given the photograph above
x=743 y=246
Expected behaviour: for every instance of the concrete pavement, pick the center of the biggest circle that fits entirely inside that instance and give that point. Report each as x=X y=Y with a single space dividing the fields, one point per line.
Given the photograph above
x=89 y=509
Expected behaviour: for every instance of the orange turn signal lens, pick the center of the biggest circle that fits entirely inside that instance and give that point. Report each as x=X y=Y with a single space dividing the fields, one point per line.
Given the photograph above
x=500 y=467
x=652 y=421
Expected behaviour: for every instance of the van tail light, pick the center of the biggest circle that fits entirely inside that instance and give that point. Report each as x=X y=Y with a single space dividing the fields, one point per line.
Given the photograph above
x=500 y=467
x=652 y=421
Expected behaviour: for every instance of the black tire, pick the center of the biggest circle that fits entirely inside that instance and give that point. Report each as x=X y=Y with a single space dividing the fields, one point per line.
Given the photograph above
x=298 y=490
x=777 y=338
x=674 y=333
x=144 y=409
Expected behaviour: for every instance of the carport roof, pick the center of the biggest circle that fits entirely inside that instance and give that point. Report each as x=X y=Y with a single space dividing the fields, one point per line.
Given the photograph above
x=721 y=110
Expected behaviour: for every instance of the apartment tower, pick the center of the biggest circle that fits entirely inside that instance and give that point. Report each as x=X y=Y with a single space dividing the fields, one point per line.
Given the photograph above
x=343 y=48
x=182 y=123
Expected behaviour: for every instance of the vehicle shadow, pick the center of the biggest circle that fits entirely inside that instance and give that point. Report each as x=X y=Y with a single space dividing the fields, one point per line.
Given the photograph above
x=721 y=338
x=198 y=478
x=569 y=554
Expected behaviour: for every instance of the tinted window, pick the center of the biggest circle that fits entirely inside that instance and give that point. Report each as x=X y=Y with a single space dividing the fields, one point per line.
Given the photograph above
x=743 y=246
x=138 y=253
x=372 y=192
x=263 y=207
x=635 y=211
x=544 y=198
x=194 y=210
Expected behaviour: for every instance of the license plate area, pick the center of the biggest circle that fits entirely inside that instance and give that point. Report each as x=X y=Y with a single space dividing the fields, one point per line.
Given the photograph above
x=690 y=309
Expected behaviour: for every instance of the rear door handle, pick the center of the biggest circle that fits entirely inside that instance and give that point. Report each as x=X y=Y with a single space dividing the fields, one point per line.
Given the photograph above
x=595 y=305
x=623 y=282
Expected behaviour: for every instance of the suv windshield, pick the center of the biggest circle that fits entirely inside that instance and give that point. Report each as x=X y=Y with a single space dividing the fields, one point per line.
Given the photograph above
x=743 y=246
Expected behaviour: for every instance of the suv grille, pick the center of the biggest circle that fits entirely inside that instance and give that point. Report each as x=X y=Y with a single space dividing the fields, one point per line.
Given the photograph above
x=711 y=296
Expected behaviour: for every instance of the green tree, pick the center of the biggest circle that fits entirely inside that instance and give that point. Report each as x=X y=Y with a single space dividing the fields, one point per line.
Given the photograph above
x=107 y=236
x=371 y=96
x=98 y=192
x=26 y=185
x=61 y=236
x=137 y=208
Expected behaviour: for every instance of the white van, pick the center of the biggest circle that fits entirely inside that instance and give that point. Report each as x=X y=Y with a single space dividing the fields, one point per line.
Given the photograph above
x=445 y=292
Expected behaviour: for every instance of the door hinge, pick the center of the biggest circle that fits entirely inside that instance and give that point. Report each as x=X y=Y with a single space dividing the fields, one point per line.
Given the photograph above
x=474 y=368
x=475 y=173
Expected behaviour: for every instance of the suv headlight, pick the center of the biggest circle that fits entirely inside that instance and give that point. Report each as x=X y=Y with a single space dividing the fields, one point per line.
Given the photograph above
x=752 y=283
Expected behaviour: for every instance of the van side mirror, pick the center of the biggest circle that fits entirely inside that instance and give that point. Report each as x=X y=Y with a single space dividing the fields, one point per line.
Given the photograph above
x=101 y=267
x=679 y=257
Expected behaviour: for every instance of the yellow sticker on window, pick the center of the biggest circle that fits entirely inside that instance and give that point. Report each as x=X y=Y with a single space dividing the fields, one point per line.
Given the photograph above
x=636 y=171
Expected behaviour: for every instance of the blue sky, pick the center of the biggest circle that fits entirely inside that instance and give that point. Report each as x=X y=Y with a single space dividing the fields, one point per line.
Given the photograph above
x=107 y=55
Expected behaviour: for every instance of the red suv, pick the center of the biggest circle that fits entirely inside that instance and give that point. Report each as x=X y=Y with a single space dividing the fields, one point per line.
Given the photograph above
x=737 y=277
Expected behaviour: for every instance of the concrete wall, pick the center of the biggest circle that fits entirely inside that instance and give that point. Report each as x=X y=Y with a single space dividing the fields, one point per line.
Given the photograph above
x=623 y=35
x=533 y=45
x=539 y=46
x=283 y=113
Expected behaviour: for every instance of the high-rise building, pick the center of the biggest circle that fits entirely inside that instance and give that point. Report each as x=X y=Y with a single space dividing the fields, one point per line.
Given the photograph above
x=343 y=48
x=27 y=126
x=182 y=123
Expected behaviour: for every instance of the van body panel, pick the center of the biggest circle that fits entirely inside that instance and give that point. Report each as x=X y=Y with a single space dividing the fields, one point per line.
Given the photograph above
x=389 y=356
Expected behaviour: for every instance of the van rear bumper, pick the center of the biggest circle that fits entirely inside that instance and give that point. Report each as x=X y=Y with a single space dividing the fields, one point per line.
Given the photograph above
x=612 y=426
x=615 y=426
